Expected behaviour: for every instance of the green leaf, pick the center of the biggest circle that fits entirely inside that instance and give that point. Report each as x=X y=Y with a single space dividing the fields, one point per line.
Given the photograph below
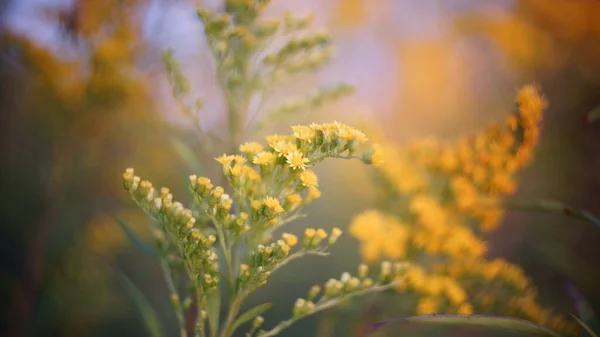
x=551 y=206
x=148 y=315
x=585 y=327
x=135 y=239
x=250 y=314
x=214 y=309
x=187 y=154
x=459 y=324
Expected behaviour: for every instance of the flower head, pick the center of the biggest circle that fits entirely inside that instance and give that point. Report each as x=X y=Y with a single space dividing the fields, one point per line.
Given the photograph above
x=296 y=160
x=251 y=147
x=264 y=158
x=309 y=178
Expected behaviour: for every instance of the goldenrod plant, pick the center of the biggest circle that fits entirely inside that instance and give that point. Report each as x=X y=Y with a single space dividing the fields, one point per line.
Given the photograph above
x=224 y=241
x=253 y=56
x=438 y=200
x=268 y=187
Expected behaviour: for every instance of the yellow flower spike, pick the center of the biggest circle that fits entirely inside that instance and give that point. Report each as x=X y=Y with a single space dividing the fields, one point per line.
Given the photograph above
x=290 y=239
x=427 y=306
x=283 y=148
x=251 y=147
x=465 y=309
x=296 y=160
x=309 y=178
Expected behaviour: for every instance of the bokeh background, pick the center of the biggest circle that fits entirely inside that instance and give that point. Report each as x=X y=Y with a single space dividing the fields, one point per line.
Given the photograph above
x=84 y=95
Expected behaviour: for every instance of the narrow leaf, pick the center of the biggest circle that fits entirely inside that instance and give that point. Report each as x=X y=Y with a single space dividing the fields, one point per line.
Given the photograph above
x=505 y=324
x=142 y=245
x=148 y=315
x=585 y=327
x=214 y=309
x=552 y=206
x=250 y=314
x=187 y=155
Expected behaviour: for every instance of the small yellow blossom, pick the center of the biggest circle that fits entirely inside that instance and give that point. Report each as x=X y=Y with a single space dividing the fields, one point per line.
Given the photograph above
x=309 y=178
x=251 y=147
x=296 y=160
x=283 y=148
x=303 y=133
x=290 y=239
x=264 y=158
x=314 y=193
x=272 y=204
x=225 y=159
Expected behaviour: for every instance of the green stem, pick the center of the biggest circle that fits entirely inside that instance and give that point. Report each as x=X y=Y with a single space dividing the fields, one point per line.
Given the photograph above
x=234 y=309
x=174 y=295
x=326 y=304
x=200 y=299
x=225 y=249
x=298 y=255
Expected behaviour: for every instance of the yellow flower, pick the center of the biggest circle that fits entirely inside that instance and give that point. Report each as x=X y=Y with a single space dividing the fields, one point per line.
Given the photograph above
x=294 y=199
x=239 y=159
x=309 y=178
x=283 y=148
x=314 y=193
x=236 y=170
x=251 y=147
x=225 y=159
x=321 y=233
x=303 y=133
x=272 y=204
x=290 y=239
x=455 y=293
x=264 y=158
x=378 y=155
x=275 y=138
x=296 y=160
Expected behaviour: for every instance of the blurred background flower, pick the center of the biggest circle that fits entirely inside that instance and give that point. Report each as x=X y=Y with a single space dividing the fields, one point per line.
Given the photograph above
x=84 y=95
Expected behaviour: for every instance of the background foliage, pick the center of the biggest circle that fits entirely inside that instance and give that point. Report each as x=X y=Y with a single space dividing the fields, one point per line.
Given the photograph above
x=84 y=94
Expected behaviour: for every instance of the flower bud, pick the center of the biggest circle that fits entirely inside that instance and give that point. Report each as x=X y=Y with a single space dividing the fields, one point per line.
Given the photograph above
x=363 y=270
x=335 y=234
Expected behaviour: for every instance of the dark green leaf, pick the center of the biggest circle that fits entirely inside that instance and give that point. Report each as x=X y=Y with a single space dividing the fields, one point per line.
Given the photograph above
x=462 y=324
x=148 y=315
x=250 y=314
x=135 y=239
x=213 y=310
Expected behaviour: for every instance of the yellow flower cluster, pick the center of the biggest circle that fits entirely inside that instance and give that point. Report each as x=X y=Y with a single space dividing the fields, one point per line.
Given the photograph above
x=438 y=199
x=285 y=162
